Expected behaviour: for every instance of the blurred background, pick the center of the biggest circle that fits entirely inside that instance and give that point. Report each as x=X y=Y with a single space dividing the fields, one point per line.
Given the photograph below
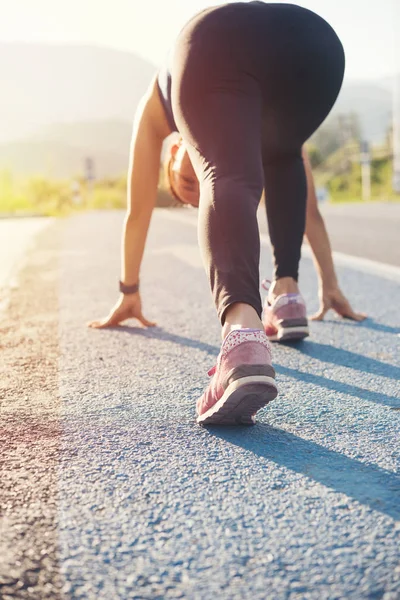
x=73 y=73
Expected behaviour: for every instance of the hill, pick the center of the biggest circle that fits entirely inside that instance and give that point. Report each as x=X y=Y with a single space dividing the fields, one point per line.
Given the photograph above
x=64 y=103
x=46 y=84
x=62 y=158
x=373 y=104
x=60 y=151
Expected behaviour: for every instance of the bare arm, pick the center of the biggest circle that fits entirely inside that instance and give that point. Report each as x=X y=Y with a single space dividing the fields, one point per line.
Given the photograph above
x=316 y=233
x=317 y=236
x=149 y=130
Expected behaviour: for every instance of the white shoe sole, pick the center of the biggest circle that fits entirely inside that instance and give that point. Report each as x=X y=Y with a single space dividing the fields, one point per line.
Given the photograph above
x=242 y=399
x=290 y=333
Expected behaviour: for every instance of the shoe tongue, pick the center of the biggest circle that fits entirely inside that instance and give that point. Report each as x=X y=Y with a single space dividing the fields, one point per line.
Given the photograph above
x=239 y=330
x=236 y=336
x=287 y=299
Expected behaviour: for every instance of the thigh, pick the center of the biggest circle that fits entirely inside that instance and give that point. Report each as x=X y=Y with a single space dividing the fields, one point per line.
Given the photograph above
x=222 y=130
x=300 y=67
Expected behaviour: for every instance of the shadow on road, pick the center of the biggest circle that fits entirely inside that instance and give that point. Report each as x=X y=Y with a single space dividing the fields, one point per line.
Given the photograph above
x=339 y=386
x=346 y=358
x=321 y=352
x=367 y=324
x=159 y=333
x=368 y=484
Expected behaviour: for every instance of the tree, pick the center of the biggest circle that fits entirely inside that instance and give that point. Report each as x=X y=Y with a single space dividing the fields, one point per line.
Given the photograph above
x=335 y=133
x=314 y=155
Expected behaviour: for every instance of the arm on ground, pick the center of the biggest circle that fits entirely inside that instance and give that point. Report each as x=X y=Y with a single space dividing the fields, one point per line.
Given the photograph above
x=149 y=131
x=330 y=294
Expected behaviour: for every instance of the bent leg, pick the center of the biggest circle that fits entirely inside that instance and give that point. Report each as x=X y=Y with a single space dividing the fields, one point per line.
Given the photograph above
x=286 y=194
x=223 y=137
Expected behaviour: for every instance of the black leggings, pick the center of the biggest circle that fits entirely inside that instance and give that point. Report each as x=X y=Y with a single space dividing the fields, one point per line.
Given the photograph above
x=250 y=83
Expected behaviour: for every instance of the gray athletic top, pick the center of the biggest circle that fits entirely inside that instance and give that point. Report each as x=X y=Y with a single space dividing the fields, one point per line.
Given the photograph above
x=164 y=85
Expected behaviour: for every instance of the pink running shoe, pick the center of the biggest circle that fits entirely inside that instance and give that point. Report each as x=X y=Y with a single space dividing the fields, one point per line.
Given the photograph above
x=243 y=380
x=286 y=318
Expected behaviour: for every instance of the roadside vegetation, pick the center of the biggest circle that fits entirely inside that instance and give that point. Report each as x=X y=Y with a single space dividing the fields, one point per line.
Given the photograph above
x=42 y=196
x=334 y=152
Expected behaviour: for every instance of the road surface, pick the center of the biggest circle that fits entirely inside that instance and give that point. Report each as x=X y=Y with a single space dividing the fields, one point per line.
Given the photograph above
x=110 y=489
x=370 y=230
x=16 y=237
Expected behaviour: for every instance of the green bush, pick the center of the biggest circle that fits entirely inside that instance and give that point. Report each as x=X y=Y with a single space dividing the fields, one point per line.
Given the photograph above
x=106 y=197
x=348 y=186
x=39 y=195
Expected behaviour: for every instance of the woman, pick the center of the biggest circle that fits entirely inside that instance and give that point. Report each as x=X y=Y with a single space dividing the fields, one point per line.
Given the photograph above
x=248 y=85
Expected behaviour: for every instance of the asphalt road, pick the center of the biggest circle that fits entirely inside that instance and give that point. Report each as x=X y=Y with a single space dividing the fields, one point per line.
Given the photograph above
x=370 y=230
x=110 y=489
x=16 y=237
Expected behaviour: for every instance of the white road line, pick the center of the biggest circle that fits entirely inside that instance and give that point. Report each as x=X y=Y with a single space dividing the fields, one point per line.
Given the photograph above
x=367 y=266
x=16 y=238
x=363 y=265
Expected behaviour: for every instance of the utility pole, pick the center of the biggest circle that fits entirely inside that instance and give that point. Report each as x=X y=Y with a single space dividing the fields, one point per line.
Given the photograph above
x=365 y=160
x=89 y=172
x=344 y=129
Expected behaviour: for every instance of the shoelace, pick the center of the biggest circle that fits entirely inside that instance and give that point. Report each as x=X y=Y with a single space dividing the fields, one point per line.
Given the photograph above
x=211 y=372
x=266 y=284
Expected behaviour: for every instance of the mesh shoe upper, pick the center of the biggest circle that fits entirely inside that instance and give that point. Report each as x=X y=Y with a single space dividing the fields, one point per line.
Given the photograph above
x=287 y=307
x=241 y=347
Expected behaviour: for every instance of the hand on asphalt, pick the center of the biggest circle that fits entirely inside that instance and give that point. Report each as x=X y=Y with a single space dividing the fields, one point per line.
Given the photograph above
x=338 y=302
x=127 y=307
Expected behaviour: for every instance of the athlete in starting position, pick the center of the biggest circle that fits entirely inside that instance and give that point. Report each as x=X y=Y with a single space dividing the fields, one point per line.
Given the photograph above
x=248 y=85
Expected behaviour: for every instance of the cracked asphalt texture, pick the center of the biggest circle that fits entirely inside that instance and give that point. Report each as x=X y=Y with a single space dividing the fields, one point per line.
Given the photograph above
x=110 y=490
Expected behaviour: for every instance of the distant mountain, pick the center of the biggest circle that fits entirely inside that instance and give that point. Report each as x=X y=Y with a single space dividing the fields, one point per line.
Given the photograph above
x=113 y=136
x=61 y=151
x=373 y=104
x=46 y=84
x=60 y=104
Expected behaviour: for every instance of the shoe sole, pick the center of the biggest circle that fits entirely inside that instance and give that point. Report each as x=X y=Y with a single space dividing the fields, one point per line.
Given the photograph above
x=241 y=401
x=285 y=334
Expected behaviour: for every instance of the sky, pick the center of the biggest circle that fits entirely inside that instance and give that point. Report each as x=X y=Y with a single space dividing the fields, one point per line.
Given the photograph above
x=149 y=27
